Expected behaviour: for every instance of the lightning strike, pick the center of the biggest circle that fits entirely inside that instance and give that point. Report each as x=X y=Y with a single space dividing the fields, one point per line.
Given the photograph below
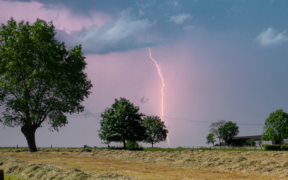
x=162 y=100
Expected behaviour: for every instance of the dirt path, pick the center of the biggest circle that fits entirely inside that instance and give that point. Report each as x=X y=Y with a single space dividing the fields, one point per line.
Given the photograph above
x=136 y=165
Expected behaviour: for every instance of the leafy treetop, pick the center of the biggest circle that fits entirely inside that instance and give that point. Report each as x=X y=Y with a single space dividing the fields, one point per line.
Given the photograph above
x=228 y=131
x=276 y=126
x=155 y=129
x=122 y=122
x=39 y=79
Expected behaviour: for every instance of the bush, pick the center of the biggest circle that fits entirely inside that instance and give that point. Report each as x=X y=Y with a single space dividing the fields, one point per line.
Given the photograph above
x=86 y=150
x=131 y=145
x=268 y=147
x=284 y=148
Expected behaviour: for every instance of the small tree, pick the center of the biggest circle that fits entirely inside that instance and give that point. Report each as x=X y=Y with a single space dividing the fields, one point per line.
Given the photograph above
x=214 y=129
x=276 y=126
x=250 y=142
x=155 y=129
x=210 y=139
x=122 y=122
x=39 y=79
x=228 y=131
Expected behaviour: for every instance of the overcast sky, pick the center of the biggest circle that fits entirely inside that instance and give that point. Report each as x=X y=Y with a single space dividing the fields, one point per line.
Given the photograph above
x=220 y=60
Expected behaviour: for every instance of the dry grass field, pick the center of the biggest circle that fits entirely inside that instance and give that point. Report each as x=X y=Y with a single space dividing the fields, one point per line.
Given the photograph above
x=124 y=164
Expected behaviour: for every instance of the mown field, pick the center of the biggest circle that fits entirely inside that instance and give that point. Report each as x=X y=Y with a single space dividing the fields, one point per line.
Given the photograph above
x=55 y=163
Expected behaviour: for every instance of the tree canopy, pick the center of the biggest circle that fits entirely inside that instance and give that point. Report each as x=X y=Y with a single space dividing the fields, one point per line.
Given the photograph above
x=122 y=122
x=276 y=126
x=39 y=79
x=228 y=131
x=214 y=128
x=210 y=138
x=155 y=129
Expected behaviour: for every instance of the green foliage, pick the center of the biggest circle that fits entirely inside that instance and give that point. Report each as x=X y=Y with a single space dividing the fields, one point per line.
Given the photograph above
x=8 y=177
x=228 y=131
x=195 y=149
x=122 y=122
x=87 y=150
x=276 y=126
x=210 y=138
x=156 y=130
x=284 y=147
x=250 y=142
x=268 y=147
x=39 y=79
x=131 y=145
x=214 y=128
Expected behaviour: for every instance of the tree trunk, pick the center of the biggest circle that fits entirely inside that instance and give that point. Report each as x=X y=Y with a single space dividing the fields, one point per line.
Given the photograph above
x=29 y=133
x=152 y=144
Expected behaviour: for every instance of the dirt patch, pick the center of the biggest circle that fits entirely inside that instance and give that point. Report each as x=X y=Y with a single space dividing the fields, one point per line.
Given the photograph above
x=155 y=165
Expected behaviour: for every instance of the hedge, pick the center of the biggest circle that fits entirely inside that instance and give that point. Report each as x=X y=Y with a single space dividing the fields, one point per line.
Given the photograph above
x=284 y=147
x=268 y=147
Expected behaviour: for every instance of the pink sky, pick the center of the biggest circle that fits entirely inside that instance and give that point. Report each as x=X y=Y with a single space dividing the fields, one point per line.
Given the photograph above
x=201 y=74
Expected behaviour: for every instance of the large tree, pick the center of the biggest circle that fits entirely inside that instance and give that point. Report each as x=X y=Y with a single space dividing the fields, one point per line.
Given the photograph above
x=276 y=126
x=39 y=79
x=155 y=129
x=228 y=131
x=122 y=122
x=214 y=129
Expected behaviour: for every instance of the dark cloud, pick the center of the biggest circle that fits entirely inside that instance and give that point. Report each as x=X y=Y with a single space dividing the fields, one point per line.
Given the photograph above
x=165 y=21
x=144 y=100
x=123 y=35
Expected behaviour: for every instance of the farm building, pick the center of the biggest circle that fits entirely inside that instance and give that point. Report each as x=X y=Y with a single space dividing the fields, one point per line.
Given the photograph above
x=240 y=140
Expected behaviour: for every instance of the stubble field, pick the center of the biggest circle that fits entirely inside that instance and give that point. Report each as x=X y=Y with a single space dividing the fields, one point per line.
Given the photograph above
x=124 y=164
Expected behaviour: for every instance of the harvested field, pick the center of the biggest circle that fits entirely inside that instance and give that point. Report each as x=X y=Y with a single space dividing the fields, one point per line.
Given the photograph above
x=124 y=164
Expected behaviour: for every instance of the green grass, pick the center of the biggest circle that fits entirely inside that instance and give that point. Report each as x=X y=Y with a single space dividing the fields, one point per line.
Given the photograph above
x=196 y=149
x=150 y=149
x=8 y=177
x=13 y=148
x=237 y=149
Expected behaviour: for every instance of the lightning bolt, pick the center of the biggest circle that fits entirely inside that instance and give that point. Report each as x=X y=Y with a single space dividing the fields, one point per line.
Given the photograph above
x=162 y=100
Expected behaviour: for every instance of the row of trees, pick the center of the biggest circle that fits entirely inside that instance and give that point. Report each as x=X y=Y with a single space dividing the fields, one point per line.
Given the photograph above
x=275 y=128
x=123 y=122
x=222 y=130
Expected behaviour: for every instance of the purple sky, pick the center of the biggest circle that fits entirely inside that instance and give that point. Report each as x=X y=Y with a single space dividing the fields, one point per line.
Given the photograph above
x=219 y=60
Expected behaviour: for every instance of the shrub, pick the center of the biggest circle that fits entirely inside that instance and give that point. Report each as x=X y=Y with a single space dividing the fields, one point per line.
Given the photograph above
x=268 y=147
x=284 y=148
x=131 y=145
x=86 y=150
